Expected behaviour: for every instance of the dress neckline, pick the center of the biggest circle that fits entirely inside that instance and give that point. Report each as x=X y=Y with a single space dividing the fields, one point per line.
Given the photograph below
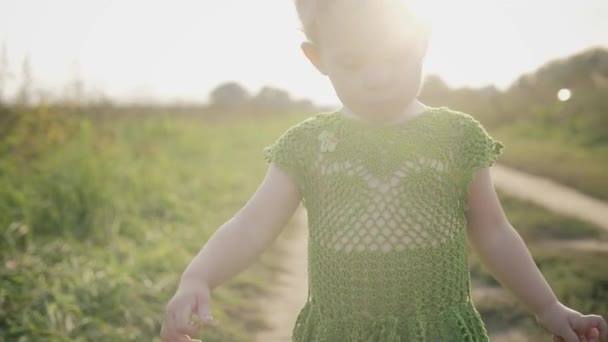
x=359 y=123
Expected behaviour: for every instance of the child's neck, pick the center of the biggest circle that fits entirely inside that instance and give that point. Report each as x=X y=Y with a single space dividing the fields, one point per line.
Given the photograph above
x=413 y=109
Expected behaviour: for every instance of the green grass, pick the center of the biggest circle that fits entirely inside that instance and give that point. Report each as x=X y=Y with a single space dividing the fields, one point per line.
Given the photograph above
x=535 y=223
x=97 y=227
x=577 y=277
x=99 y=216
x=564 y=159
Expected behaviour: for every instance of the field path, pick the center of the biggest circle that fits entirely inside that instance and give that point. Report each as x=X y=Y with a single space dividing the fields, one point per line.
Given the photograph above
x=291 y=288
x=550 y=195
x=290 y=292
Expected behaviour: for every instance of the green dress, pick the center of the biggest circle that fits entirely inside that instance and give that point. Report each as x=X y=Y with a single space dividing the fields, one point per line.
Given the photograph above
x=387 y=247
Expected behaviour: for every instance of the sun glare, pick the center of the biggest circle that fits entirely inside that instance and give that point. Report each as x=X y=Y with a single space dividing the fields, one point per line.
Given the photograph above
x=473 y=33
x=564 y=94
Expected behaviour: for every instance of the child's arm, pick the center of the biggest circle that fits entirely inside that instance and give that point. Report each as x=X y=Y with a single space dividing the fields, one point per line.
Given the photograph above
x=239 y=241
x=233 y=247
x=504 y=253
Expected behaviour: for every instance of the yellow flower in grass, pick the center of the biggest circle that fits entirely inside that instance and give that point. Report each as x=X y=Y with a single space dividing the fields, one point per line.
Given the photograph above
x=328 y=141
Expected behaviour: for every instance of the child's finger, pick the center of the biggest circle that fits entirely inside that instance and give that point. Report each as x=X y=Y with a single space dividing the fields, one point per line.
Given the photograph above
x=557 y=339
x=182 y=319
x=600 y=324
x=569 y=336
x=168 y=330
x=591 y=324
x=593 y=335
x=204 y=312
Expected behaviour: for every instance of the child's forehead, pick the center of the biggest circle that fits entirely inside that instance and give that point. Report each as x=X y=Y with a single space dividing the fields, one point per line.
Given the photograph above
x=360 y=24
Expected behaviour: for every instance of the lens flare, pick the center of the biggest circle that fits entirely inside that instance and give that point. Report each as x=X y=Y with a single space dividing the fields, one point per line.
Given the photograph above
x=564 y=94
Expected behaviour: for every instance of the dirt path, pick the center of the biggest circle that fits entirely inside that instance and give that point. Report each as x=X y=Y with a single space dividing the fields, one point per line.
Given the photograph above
x=586 y=245
x=550 y=195
x=291 y=290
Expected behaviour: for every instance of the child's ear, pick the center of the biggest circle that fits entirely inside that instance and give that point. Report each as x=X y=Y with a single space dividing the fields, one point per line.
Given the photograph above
x=313 y=54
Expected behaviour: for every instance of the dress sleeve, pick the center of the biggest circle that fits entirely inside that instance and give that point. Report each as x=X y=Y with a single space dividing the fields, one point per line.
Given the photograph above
x=480 y=148
x=287 y=153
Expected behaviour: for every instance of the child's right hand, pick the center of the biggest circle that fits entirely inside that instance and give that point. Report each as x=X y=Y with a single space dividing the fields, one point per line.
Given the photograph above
x=191 y=297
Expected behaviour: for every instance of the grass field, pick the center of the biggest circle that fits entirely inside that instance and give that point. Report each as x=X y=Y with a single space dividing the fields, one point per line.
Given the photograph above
x=576 y=275
x=98 y=217
x=561 y=158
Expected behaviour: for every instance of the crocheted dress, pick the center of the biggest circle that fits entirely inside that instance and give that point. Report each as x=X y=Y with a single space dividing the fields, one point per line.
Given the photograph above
x=387 y=247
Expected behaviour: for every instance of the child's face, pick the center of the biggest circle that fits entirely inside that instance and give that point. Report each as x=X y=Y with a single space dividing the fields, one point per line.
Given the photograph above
x=373 y=57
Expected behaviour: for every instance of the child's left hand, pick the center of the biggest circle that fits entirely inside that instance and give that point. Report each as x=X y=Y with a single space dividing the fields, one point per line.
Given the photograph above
x=569 y=325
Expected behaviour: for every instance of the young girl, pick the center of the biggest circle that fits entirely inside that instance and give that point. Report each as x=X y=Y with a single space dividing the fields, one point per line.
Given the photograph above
x=393 y=189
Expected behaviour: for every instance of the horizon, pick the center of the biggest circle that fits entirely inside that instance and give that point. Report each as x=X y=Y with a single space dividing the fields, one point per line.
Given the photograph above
x=201 y=45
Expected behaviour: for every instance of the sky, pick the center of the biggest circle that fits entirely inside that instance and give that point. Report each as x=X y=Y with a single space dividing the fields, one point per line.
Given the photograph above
x=181 y=49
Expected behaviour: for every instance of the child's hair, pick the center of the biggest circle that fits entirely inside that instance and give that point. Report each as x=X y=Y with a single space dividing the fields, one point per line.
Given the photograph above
x=310 y=11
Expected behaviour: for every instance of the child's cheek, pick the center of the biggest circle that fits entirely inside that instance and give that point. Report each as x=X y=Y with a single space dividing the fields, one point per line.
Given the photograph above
x=349 y=83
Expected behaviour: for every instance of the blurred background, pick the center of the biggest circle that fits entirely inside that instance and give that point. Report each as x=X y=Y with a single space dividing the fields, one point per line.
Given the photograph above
x=125 y=125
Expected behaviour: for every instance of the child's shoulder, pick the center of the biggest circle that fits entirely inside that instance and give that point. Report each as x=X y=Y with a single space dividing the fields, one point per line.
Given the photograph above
x=312 y=124
x=301 y=135
x=319 y=119
x=456 y=115
x=460 y=122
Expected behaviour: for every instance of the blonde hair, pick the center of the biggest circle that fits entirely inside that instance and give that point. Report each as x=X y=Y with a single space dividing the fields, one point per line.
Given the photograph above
x=309 y=12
